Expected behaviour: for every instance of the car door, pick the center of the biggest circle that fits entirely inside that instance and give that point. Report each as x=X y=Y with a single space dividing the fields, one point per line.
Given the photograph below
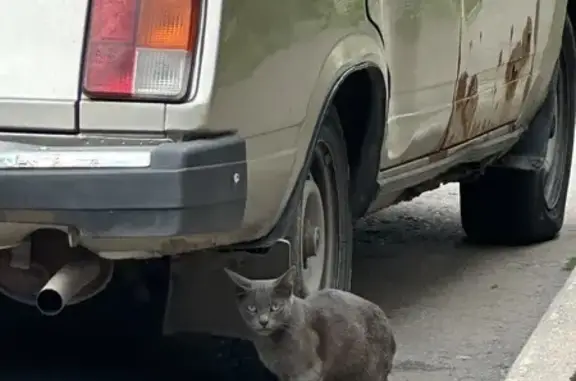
x=497 y=49
x=421 y=39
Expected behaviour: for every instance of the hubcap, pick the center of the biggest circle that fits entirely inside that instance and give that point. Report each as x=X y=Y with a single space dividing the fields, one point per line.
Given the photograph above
x=313 y=236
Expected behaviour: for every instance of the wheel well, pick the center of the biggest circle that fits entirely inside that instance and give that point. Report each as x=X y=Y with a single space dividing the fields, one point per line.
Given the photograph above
x=572 y=10
x=360 y=103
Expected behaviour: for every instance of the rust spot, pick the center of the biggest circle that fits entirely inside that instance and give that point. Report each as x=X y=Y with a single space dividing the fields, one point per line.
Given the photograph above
x=518 y=59
x=461 y=124
x=528 y=85
x=527 y=88
x=464 y=123
x=461 y=89
x=469 y=107
x=459 y=92
x=476 y=127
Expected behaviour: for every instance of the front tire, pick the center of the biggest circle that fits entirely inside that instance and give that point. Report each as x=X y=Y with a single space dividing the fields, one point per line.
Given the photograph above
x=321 y=235
x=518 y=207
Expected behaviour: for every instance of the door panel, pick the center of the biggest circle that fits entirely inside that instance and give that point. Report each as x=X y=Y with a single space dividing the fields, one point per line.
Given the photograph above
x=496 y=64
x=422 y=42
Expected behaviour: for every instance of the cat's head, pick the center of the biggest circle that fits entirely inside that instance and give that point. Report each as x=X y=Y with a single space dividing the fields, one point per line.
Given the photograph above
x=265 y=304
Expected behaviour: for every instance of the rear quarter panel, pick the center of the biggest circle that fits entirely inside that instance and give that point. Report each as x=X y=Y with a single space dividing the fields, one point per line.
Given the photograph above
x=276 y=63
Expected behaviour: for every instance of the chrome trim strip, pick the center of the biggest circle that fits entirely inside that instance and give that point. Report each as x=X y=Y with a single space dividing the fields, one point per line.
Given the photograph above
x=74 y=159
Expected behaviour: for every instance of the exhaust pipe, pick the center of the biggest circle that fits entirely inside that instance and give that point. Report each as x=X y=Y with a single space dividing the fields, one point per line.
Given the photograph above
x=65 y=284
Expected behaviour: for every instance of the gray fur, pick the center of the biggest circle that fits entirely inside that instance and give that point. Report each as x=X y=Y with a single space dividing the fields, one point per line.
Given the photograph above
x=331 y=335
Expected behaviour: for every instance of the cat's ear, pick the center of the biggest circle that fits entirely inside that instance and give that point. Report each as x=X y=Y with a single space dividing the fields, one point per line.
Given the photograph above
x=243 y=284
x=284 y=285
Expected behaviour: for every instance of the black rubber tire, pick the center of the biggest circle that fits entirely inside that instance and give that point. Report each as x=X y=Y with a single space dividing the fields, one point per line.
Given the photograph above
x=509 y=206
x=237 y=359
x=330 y=158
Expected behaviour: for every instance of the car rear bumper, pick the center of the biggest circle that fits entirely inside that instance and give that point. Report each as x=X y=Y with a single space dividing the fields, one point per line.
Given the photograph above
x=137 y=191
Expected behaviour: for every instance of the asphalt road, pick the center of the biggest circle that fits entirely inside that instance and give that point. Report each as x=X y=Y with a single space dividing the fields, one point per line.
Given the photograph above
x=460 y=312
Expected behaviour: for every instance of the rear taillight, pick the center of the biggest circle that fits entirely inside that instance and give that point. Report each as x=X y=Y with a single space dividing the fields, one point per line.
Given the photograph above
x=141 y=49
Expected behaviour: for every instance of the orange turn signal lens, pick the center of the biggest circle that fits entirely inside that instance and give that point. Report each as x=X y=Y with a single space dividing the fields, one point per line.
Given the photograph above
x=168 y=24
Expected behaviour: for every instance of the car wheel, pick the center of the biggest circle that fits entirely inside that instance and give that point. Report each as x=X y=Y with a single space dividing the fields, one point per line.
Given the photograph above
x=321 y=234
x=320 y=238
x=511 y=206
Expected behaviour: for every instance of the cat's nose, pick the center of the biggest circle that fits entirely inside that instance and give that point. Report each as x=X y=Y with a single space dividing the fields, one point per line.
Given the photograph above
x=263 y=320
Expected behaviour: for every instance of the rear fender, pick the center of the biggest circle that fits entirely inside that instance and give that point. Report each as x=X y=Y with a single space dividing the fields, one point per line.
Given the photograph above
x=201 y=297
x=350 y=54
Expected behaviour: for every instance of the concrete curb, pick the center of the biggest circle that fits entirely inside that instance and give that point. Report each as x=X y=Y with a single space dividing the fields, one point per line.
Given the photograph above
x=550 y=352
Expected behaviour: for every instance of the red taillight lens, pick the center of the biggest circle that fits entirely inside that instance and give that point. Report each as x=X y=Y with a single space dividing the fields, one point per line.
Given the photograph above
x=110 y=69
x=140 y=48
x=113 y=20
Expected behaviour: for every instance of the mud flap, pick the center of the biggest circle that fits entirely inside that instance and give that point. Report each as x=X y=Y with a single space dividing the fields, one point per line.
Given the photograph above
x=201 y=298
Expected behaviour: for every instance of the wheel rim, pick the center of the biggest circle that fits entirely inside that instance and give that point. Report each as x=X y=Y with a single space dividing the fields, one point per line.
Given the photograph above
x=317 y=228
x=556 y=149
x=313 y=235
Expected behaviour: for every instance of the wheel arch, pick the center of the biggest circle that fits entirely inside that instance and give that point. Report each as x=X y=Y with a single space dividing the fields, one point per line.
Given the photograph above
x=366 y=77
x=361 y=104
x=571 y=9
x=192 y=275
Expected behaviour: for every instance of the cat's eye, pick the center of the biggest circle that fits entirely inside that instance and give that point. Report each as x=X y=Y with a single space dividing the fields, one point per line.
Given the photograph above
x=274 y=307
x=251 y=308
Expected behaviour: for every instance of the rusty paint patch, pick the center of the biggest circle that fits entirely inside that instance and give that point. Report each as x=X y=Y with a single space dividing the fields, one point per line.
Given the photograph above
x=518 y=59
x=461 y=89
x=469 y=107
x=528 y=85
x=460 y=125
x=464 y=124
x=527 y=88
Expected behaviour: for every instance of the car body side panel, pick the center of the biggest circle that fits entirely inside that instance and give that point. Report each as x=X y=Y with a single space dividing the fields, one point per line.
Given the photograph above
x=496 y=66
x=422 y=41
x=276 y=64
x=548 y=42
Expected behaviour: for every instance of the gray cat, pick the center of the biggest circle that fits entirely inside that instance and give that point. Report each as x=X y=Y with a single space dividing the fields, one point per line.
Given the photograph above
x=331 y=335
